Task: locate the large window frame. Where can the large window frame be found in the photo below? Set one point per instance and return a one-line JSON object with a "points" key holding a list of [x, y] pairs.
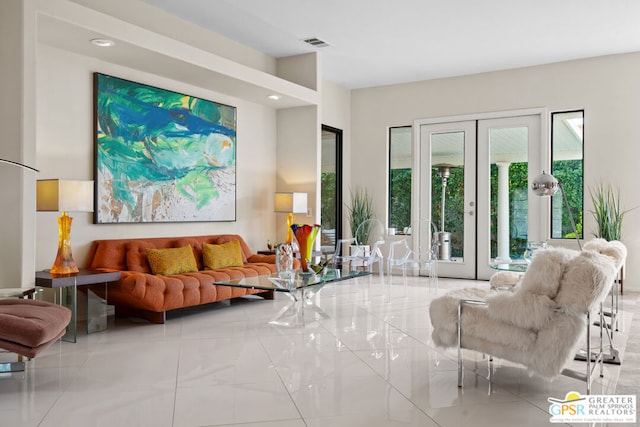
{"points": [[337, 197], [567, 166], [399, 186]]}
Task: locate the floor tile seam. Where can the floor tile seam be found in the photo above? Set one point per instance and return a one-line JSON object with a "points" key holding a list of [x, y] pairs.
{"points": [[389, 384], [176, 381], [281, 378], [53, 405], [496, 403]]}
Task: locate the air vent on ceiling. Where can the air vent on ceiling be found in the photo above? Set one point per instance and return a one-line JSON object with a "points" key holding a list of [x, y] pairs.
{"points": [[316, 42]]}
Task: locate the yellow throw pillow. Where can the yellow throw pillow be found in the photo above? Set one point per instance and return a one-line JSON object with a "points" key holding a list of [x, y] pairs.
{"points": [[172, 260], [221, 256]]}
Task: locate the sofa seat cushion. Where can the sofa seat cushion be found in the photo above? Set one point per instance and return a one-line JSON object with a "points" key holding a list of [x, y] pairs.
{"points": [[161, 293]]}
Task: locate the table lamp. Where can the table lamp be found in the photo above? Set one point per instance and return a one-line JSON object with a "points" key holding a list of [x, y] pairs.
{"points": [[547, 185], [61, 195], [290, 203]]}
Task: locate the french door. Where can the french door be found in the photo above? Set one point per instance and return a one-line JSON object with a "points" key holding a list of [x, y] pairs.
{"points": [[473, 190]]}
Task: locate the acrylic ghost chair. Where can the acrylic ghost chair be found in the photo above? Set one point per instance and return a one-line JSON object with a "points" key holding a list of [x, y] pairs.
{"points": [[429, 256], [361, 251], [402, 256], [367, 248]]}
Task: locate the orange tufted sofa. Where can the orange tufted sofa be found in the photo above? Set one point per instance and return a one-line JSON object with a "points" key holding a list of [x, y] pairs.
{"points": [[139, 293]]}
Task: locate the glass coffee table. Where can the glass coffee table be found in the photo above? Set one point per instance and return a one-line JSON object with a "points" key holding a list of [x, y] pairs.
{"points": [[300, 288], [517, 266]]}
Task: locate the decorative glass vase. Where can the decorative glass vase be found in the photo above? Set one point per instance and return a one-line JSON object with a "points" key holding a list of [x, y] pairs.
{"points": [[284, 260], [305, 235]]}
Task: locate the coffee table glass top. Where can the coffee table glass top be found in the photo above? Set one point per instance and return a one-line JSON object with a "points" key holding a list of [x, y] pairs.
{"points": [[515, 266], [272, 282]]}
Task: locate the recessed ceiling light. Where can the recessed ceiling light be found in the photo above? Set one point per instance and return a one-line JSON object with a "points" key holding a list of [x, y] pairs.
{"points": [[102, 42], [273, 97]]}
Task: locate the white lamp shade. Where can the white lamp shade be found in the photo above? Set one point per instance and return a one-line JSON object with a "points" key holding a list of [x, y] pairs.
{"points": [[64, 195], [291, 202]]}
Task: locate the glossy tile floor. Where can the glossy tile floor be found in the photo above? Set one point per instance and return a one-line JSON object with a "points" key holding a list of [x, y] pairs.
{"points": [[370, 363]]}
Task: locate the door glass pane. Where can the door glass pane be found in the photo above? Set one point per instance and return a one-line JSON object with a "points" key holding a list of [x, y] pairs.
{"points": [[330, 193], [566, 166], [508, 157], [447, 192], [400, 164]]}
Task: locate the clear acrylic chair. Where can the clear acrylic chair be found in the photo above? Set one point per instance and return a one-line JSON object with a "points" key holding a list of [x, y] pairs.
{"points": [[339, 256], [429, 257], [401, 256], [369, 233]]}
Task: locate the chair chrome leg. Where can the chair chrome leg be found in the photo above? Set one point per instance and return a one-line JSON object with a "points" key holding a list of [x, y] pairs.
{"points": [[602, 326], [588, 352], [460, 368]]}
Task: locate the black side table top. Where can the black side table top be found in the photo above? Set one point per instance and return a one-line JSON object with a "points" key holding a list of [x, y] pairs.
{"points": [[84, 277]]}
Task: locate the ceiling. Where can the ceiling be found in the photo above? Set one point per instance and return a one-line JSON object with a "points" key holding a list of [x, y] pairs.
{"points": [[376, 42]]}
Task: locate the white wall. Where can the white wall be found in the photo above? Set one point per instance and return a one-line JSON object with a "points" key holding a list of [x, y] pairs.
{"points": [[606, 88], [336, 112], [65, 148], [17, 108], [298, 162]]}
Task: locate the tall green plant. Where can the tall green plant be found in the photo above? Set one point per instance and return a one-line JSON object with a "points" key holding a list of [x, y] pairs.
{"points": [[360, 210], [607, 212]]}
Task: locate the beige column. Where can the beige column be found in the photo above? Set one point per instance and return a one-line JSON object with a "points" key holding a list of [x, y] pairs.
{"points": [[503, 212], [18, 123]]}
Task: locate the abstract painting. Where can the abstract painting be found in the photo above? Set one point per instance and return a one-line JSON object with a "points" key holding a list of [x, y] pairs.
{"points": [[161, 156]]}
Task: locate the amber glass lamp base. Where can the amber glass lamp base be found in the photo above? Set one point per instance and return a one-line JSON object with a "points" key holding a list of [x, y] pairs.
{"points": [[289, 231], [64, 263]]}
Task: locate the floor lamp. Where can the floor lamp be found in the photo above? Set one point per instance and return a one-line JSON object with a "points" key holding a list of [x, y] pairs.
{"points": [[11, 162], [547, 185]]}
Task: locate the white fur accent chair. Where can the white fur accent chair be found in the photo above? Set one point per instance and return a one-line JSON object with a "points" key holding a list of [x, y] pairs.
{"points": [[542, 323]]}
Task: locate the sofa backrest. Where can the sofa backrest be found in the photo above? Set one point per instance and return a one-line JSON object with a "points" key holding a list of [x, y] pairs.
{"points": [[131, 254]]}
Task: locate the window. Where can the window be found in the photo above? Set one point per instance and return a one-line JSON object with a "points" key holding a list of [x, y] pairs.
{"points": [[331, 187], [400, 164], [567, 147]]}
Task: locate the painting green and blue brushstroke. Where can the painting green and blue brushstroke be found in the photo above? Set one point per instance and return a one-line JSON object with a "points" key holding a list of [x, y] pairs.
{"points": [[162, 155]]}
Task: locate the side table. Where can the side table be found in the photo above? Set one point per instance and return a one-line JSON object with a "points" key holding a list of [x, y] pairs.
{"points": [[67, 286]]}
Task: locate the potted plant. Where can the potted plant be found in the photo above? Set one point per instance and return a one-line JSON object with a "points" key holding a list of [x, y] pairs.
{"points": [[607, 212], [359, 211]]}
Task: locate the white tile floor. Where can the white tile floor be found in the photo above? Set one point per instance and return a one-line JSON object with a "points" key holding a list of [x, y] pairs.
{"points": [[371, 363]]}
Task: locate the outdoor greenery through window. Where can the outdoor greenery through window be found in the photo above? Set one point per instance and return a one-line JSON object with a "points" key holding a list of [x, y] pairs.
{"points": [[400, 164], [567, 147]]}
